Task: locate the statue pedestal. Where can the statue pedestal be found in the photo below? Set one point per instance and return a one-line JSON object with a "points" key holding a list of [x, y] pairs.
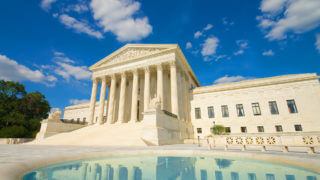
{"points": [[159, 128]]}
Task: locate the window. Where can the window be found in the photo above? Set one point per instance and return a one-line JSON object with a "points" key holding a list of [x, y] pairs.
{"points": [[273, 107], [260, 128], [198, 113], [78, 120], [240, 110], [243, 129], [228, 129], [84, 119], [210, 112], [224, 110], [292, 106], [278, 128], [298, 127], [199, 130], [256, 109]]}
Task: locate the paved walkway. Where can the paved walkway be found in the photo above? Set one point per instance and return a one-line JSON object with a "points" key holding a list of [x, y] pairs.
{"points": [[16, 160]]}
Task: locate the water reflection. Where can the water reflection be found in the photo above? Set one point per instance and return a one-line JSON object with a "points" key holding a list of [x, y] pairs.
{"points": [[169, 168]]}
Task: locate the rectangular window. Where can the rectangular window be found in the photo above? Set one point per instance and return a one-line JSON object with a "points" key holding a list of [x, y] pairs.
{"points": [[84, 119], [199, 130], [78, 120], [243, 129], [240, 110], [260, 128], [278, 128], [298, 127], [225, 111], [292, 106], [198, 113], [273, 107], [228, 129], [210, 112], [256, 109]]}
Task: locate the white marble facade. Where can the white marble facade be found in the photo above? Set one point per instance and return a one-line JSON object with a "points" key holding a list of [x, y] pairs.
{"points": [[137, 73]]}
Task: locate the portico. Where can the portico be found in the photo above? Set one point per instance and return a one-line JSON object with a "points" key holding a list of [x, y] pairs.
{"points": [[136, 74]]}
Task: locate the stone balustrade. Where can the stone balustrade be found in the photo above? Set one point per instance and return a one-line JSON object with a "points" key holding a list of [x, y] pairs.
{"points": [[286, 141]]}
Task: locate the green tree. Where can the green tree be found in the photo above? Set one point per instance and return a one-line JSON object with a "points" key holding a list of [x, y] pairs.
{"points": [[218, 130], [20, 112]]}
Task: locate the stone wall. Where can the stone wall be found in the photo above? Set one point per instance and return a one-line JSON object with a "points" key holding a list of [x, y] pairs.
{"points": [[304, 89], [15, 140]]}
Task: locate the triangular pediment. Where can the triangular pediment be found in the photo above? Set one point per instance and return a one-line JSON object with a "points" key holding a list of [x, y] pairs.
{"points": [[131, 52]]}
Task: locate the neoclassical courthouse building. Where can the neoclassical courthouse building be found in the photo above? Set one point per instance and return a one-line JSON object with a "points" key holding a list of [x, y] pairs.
{"points": [[153, 85]]}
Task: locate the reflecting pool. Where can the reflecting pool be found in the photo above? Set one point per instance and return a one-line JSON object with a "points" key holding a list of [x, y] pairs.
{"points": [[149, 167]]}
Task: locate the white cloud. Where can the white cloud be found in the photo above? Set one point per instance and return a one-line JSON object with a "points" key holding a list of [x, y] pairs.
{"points": [[317, 44], [210, 46], [46, 4], [239, 52], [268, 53], [78, 101], [116, 16], [272, 5], [201, 33], [79, 8], [242, 44], [78, 72], [78, 26], [13, 71], [226, 22], [208, 27], [56, 53], [197, 34], [229, 79], [283, 16], [188, 45]]}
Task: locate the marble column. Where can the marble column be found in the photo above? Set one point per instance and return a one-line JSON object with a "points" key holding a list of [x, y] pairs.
{"points": [[104, 173], [160, 84], [134, 105], [183, 97], [122, 98], [146, 88], [174, 89], [186, 86], [130, 173], [116, 170], [111, 99], [83, 170], [93, 172], [93, 101], [102, 99]]}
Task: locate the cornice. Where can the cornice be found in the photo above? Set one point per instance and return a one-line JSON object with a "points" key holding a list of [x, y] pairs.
{"points": [[80, 106], [256, 83]]}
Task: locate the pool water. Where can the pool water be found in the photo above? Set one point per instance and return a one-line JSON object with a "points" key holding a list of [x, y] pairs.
{"points": [[152, 167]]}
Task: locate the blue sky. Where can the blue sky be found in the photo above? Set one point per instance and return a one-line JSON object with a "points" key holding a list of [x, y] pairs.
{"points": [[48, 45]]}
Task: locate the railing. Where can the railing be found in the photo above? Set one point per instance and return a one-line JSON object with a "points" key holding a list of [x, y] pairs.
{"points": [[309, 142], [72, 121]]}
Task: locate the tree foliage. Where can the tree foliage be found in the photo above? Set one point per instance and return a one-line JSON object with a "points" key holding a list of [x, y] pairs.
{"points": [[218, 130], [20, 112]]}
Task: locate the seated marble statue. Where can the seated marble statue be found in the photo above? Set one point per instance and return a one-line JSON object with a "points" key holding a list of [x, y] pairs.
{"points": [[55, 114], [155, 103]]}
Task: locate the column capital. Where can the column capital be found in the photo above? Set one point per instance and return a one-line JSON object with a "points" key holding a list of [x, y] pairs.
{"points": [[134, 71], [113, 76], [173, 63], [123, 74], [103, 78], [147, 69], [95, 80], [159, 66]]}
